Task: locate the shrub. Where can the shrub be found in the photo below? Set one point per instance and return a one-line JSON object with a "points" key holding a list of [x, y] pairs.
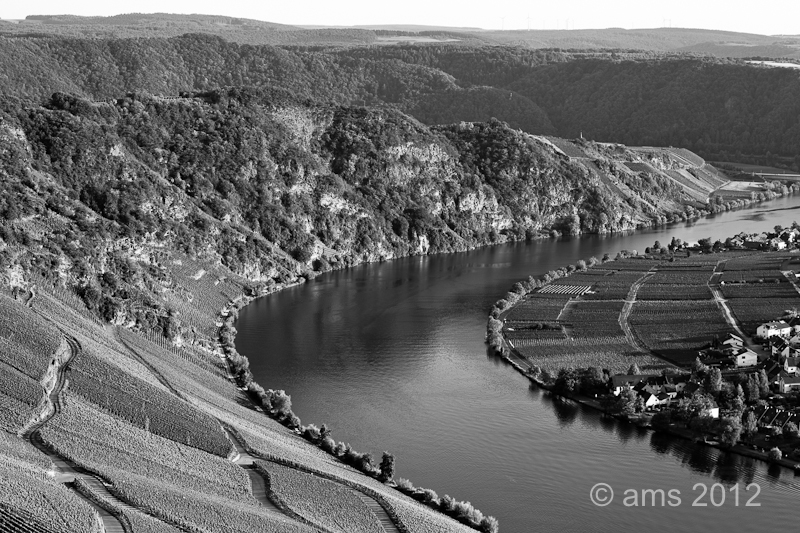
{"points": [[404, 485], [312, 433], [430, 497], [329, 445], [489, 524], [775, 454], [447, 504]]}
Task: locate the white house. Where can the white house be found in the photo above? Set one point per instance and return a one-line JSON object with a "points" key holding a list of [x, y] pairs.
{"points": [[733, 341], [788, 383], [770, 329], [745, 358], [790, 364]]}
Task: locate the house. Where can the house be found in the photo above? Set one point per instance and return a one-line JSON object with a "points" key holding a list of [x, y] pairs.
{"points": [[790, 365], [753, 245], [781, 419], [745, 358], [771, 329], [794, 322], [777, 244], [653, 400], [690, 388], [759, 411], [620, 382], [787, 383], [773, 370], [733, 341], [779, 347], [768, 416]]}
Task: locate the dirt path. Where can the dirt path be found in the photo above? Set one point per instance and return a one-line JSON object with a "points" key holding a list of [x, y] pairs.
{"points": [[53, 382], [625, 313], [789, 275]]}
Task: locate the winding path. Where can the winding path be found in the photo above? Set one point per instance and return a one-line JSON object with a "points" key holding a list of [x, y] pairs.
{"points": [[625, 314], [53, 382]]}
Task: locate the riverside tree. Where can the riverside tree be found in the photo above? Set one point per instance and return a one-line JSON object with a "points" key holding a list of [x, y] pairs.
{"points": [[386, 467]]}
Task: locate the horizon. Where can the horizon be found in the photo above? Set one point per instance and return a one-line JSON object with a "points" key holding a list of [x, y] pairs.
{"points": [[508, 15]]}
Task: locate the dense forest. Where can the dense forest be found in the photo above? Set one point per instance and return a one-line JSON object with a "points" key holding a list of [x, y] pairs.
{"points": [[723, 109]]}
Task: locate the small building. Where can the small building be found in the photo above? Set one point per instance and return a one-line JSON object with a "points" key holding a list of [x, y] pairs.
{"points": [[787, 383], [623, 381], [794, 322], [790, 365], [771, 329], [777, 244], [733, 341], [779, 347], [745, 358]]}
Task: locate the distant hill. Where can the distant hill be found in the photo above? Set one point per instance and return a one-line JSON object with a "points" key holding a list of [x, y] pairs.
{"points": [[249, 31]]}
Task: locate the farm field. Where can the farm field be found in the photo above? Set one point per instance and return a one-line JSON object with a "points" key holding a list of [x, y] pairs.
{"points": [[178, 483], [673, 315], [27, 341], [678, 329], [27, 488], [752, 312], [320, 501]]}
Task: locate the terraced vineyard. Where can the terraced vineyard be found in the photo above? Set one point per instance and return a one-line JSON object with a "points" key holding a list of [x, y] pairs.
{"points": [[26, 341], [321, 501]]}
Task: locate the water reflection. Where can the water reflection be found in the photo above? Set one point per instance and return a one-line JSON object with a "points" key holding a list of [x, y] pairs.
{"points": [[391, 356]]}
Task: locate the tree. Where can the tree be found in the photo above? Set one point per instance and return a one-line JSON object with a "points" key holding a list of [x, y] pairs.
{"points": [[737, 402], [634, 370], [775, 454], [698, 367], [752, 389], [790, 430], [713, 381], [731, 430], [626, 402], [763, 383], [386, 467], [581, 264], [750, 426]]}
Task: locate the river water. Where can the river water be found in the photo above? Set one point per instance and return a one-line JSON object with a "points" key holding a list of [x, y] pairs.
{"points": [[391, 357]]}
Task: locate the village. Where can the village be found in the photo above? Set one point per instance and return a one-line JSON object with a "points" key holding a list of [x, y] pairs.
{"points": [[732, 394]]}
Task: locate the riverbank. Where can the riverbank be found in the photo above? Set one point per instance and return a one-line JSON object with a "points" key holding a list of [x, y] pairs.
{"points": [[520, 364]]}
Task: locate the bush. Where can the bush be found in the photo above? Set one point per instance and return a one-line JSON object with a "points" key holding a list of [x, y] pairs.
{"points": [[405, 485], [329, 445], [775, 454], [489, 524], [447, 504], [430, 497]]}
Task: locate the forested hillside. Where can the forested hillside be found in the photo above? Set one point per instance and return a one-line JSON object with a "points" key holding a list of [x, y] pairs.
{"points": [[722, 109], [273, 187]]}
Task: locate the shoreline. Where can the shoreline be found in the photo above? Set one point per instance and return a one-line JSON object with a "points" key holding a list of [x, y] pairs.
{"points": [[673, 431]]}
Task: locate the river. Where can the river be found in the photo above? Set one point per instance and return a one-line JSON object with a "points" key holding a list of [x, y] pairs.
{"points": [[391, 356]]}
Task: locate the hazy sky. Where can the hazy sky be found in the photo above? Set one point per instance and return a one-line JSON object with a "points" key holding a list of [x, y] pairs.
{"points": [[765, 16]]}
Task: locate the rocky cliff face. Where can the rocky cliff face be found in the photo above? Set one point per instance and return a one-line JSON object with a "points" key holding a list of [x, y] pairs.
{"points": [[272, 188]]}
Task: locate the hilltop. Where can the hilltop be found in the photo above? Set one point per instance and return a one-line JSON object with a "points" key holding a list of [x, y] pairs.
{"points": [[724, 110]]}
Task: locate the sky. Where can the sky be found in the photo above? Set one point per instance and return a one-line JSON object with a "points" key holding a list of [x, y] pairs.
{"points": [[769, 17]]}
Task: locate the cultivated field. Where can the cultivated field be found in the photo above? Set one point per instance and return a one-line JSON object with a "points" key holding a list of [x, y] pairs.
{"points": [[672, 311]]}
